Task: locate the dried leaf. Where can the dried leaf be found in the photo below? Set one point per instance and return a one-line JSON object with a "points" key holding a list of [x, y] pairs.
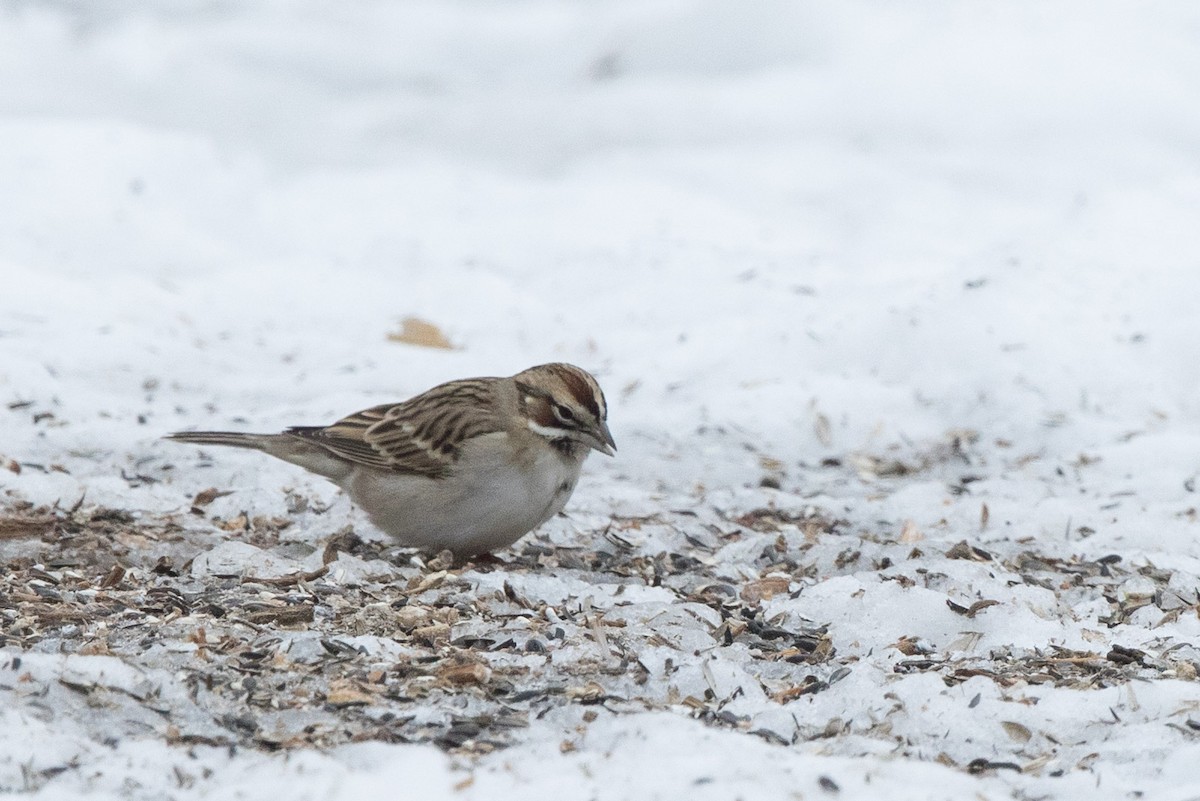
{"points": [[589, 693], [436, 634], [429, 582], [413, 617], [94, 648], [415, 331], [909, 532], [18, 527], [113, 578], [770, 463], [239, 523], [823, 429], [343, 692], [979, 606], [289, 579], [283, 615], [205, 497], [1016, 731], [463, 675], [964, 550], [765, 588], [910, 646]]}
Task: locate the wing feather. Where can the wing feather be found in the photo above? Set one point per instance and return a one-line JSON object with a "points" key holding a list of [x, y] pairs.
{"points": [[420, 436]]}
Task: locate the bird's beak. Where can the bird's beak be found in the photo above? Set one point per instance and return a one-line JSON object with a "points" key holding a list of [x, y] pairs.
{"points": [[602, 440]]}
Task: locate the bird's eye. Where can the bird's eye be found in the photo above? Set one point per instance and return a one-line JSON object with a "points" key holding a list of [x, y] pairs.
{"points": [[563, 413]]}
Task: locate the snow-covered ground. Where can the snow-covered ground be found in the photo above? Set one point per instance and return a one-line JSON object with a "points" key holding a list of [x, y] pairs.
{"points": [[895, 306]]}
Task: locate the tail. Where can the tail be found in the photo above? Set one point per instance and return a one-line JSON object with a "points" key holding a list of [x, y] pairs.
{"points": [[285, 446], [233, 439]]}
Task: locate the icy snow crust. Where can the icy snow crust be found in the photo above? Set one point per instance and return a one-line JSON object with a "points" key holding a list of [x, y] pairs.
{"points": [[895, 309]]}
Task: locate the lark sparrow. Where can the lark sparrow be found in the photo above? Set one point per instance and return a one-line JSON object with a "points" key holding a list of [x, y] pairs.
{"points": [[468, 466]]}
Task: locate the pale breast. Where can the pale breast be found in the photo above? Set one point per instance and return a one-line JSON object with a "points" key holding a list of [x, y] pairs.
{"points": [[487, 503]]}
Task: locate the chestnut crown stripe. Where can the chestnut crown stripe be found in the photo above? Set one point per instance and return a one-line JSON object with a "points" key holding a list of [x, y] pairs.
{"points": [[586, 393]]}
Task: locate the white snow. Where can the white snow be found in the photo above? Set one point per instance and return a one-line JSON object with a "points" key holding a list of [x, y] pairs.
{"points": [[778, 232]]}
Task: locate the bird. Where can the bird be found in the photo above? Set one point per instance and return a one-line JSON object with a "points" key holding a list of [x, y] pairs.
{"points": [[469, 466]]}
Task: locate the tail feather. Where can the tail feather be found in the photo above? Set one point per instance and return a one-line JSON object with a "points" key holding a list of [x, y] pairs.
{"points": [[232, 439], [286, 446]]}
